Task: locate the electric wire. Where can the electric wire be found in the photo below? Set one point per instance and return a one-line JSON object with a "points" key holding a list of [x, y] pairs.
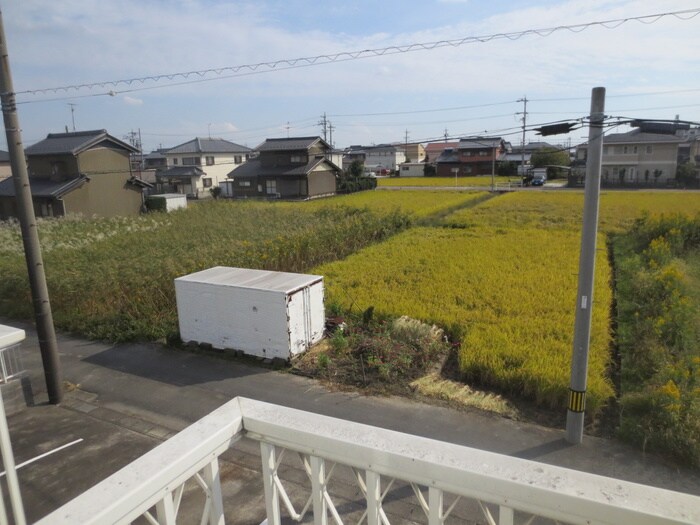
{"points": [[277, 65]]}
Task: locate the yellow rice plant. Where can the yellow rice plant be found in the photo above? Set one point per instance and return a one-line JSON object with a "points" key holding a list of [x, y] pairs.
{"points": [[511, 293], [564, 209], [484, 181]]}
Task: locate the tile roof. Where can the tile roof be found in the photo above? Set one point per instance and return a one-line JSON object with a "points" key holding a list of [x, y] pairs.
{"points": [[292, 143], [75, 143], [253, 168], [44, 187], [480, 143], [448, 155], [435, 148], [207, 145], [637, 136]]}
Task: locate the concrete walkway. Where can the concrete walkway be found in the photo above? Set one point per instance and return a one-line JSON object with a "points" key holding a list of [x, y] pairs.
{"points": [[130, 397]]}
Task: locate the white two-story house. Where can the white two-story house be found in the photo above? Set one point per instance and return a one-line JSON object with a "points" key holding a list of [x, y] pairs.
{"points": [[196, 166]]}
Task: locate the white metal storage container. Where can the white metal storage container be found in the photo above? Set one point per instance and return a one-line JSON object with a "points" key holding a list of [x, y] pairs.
{"points": [[263, 313], [10, 358]]}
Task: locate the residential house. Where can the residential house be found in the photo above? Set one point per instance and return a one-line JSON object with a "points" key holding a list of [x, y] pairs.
{"points": [[196, 166], [636, 158], [435, 149], [291, 168], [473, 156], [85, 172], [384, 157], [414, 152], [352, 154], [5, 170], [520, 155]]}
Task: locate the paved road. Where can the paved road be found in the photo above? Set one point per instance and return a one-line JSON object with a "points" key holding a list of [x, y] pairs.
{"points": [[173, 388], [131, 397]]}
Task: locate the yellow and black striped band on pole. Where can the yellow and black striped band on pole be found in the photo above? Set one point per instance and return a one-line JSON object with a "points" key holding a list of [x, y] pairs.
{"points": [[577, 400]]}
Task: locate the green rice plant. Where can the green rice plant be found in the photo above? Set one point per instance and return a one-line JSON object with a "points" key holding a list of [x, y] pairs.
{"points": [[119, 284], [417, 203]]}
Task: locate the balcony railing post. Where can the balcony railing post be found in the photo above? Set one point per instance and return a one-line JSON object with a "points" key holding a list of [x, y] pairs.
{"points": [[318, 487], [269, 467], [165, 510], [435, 497], [374, 495], [216, 503], [506, 516]]}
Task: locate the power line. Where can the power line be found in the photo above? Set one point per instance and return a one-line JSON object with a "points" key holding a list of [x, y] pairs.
{"points": [[687, 14]]}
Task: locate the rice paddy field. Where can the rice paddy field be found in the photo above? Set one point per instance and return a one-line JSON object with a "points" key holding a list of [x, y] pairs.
{"points": [[503, 275], [498, 272], [483, 181]]}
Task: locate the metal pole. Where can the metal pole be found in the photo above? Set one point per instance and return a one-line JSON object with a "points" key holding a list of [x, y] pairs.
{"points": [[30, 236], [493, 170], [584, 298], [8, 460]]}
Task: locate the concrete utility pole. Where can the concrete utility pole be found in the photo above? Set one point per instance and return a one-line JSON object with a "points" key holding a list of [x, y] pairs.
{"points": [[324, 125], [30, 236], [72, 113], [522, 144], [331, 127], [586, 271]]}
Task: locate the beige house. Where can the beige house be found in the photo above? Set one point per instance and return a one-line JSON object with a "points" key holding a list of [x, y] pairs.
{"points": [[196, 166], [637, 157], [86, 172], [414, 153]]}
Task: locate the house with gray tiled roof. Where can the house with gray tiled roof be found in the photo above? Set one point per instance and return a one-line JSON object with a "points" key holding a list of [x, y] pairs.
{"points": [[291, 168], [198, 165], [637, 157], [84, 172]]}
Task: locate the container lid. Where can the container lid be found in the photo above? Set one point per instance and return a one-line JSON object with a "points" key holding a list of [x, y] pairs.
{"points": [[253, 279], [10, 335]]}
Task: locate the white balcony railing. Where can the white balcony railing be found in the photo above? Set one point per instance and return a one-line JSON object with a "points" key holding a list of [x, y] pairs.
{"points": [[446, 480]]}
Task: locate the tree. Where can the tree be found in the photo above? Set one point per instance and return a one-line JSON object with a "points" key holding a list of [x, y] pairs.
{"points": [[549, 157], [687, 174], [356, 169]]}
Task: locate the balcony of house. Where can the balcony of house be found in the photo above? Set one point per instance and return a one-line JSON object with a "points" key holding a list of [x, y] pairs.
{"points": [[320, 469]]}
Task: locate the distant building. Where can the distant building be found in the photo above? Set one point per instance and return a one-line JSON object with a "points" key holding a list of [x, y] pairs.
{"points": [[414, 152], [384, 156], [636, 157], [435, 149], [196, 166], [86, 172], [473, 156], [291, 168], [5, 170]]}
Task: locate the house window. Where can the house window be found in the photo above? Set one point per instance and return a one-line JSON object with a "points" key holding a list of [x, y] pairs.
{"points": [[191, 161], [245, 183], [649, 149], [206, 182], [210, 161], [625, 150], [237, 159], [634, 149], [271, 187], [605, 150], [298, 158], [58, 170], [483, 153], [175, 161]]}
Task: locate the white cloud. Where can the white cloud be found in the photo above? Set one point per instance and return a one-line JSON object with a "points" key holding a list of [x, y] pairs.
{"points": [[228, 127], [132, 101]]}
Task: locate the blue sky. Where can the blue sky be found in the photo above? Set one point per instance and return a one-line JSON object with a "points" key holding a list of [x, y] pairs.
{"points": [[650, 71]]}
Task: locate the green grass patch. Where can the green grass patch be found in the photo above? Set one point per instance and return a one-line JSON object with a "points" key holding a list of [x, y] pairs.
{"points": [[113, 279], [658, 299]]}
